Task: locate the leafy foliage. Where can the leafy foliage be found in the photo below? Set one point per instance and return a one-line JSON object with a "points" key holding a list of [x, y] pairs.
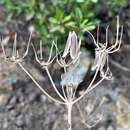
{"points": [[55, 18]]}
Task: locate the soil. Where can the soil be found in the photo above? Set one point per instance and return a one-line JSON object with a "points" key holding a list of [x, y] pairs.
{"points": [[24, 107]]}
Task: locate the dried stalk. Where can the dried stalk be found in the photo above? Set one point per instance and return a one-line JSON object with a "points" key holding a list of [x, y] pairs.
{"points": [[72, 49]]}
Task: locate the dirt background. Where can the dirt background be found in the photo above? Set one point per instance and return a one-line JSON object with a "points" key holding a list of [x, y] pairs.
{"points": [[24, 107]]}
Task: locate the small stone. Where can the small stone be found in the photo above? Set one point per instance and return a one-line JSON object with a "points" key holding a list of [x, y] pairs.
{"points": [[5, 125], [13, 100], [32, 97], [3, 99], [110, 128], [101, 128], [19, 128], [9, 107], [19, 123], [14, 113], [43, 98]]}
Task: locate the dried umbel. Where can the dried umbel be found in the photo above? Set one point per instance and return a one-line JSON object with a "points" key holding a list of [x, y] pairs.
{"points": [[72, 49], [69, 82], [15, 57], [103, 50]]}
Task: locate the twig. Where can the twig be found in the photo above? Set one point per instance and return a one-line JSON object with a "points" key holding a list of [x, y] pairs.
{"points": [[117, 64]]}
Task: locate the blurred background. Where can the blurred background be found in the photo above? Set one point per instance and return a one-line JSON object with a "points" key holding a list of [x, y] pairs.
{"points": [[22, 105]]}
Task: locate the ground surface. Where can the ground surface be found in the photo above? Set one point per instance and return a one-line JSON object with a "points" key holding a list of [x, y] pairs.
{"points": [[24, 107]]}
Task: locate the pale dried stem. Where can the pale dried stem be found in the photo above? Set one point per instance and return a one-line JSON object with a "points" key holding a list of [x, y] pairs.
{"points": [[83, 118], [14, 46], [53, 84], [3, 49], [117, 47], [88, 89], [69, 107], [28, 44], [68, 97], [38, 85], [115, 63], [63, 90], [41, 56], [117, 35]]}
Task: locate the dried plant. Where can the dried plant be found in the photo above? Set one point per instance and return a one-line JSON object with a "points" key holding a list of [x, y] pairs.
{"points": [[69, 82], [102, 51]]}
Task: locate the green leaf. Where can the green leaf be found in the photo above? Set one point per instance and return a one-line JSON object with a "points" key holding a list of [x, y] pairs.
{"points": [[78, 15], [84, 23], [53, 20], [129, 33], [59, 14], [90, 26], [42, 6], [66, 18], [29, 15], [94, 1], [70, 24], [80, 1], [57, 28]]}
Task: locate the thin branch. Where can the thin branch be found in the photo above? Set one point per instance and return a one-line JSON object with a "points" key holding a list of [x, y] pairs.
{"points": [[90, 85], [117, 36], [83, 118], [41, 56], [38, 85], [3, 41], [53, 84], [29, 41], [119, 65], [119, 44], [97, 35], [107, 36], [69, 107], [14, 46], [63, 90], [96, 44]]}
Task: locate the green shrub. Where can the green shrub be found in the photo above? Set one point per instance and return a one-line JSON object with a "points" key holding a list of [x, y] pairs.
{"points": [[55, 18]]}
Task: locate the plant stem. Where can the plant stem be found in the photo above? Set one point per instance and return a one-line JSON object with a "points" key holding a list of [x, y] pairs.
{"points": [[69, 107], [53, 84], [38, 85]]}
